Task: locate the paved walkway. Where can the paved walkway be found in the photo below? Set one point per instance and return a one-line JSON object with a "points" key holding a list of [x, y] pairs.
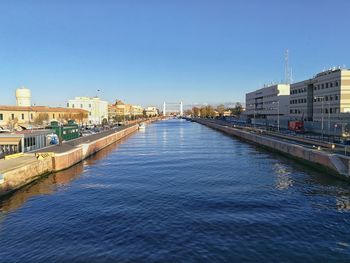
{"points": [[6, 165], [69, 145]]}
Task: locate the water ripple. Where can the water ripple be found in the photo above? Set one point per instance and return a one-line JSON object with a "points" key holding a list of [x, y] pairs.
{"points": [[179, 192]]}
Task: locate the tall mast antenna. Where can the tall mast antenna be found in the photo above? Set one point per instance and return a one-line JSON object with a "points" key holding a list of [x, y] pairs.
{"points": [[286, 68]]}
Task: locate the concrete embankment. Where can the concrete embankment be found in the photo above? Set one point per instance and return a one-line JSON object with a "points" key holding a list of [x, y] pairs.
{"points": [[16, 173], [334, 164]]}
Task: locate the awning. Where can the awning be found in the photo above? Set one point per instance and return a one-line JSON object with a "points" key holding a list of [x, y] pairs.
{"points": [[10, 141]]}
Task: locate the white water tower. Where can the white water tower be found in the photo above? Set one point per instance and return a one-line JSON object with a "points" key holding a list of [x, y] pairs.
{"points": [[23, 97]]}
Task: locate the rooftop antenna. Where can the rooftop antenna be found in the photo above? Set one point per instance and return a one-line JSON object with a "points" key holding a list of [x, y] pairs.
{"points": [[286, 67]]}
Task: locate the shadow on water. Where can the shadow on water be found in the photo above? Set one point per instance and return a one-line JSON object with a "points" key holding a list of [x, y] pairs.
{"points": [[49, 184], [290, 172]]}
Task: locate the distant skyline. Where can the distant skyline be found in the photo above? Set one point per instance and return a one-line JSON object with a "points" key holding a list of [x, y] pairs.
{"points": [[145, 52]]}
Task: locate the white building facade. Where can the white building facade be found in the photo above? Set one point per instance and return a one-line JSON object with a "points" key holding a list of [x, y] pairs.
{"points": [[151, 111], [97, 108], [268, 102]]}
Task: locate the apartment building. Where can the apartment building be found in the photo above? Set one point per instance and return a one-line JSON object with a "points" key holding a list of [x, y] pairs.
{"points": [[268, 102], [152, 111], [121, 111], [97, 108], [136, 111]]}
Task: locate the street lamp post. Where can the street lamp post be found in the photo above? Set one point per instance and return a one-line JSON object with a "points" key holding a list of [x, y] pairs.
{"points": [[329, 118], [254, 112], [278, 114], [322, 99]]}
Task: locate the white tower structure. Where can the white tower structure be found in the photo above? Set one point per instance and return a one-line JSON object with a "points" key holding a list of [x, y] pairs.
{"points": [[164, 109], [23, 97]]}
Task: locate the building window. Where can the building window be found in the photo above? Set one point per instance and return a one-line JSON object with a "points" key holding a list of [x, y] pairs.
{"points": [[31, 116], [81, 106], [89, 105], [1, 117], [326, 110], [67, 104], [53, 115], [336, 97], [22, 116], [327, 85], [73, 106], [331, 84], [336, 83], [12, 116], [330, 110]]}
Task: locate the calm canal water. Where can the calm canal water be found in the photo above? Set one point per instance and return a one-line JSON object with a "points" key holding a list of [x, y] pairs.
{"points": [[179, 192]]}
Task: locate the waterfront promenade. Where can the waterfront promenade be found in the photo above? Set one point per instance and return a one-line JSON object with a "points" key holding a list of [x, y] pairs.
{"points": [[15, 173]]}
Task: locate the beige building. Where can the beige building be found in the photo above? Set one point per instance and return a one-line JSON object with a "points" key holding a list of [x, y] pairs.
{"points": [[121, 111], [11, 116], [112, 112], [136, 111], [227, 113], [151, 111], [267, 102], [327, 96]]}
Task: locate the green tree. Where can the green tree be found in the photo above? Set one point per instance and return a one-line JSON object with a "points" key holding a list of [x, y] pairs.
{"points": [[238, 109], [195, 112], [203, 112], [41, 118], [220, 109]]}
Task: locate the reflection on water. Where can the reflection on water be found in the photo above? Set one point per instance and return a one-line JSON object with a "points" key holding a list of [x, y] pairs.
{"points": [[44, 186], [49, 184], [283, 179], [179, 192], [343, 202]]}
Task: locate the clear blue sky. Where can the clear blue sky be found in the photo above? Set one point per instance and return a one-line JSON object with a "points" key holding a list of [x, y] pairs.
{"points": [[148, 51]]}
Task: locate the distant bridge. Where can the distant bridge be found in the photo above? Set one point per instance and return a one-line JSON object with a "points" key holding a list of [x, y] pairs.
{"points": [[172, 104]]}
